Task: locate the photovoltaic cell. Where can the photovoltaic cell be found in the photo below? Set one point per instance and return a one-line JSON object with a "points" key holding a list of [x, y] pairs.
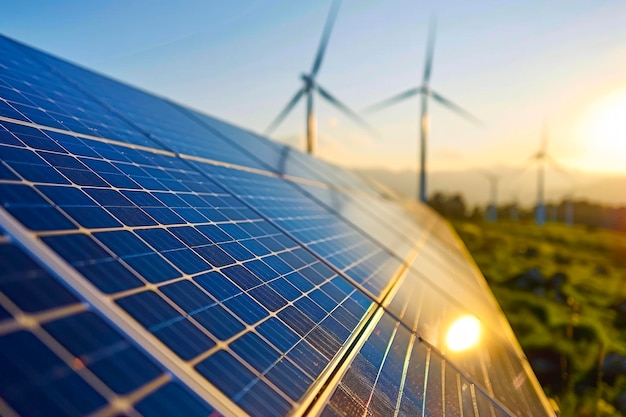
{"points": [[128, 249], [360, 258], [31, 93], [255, 275], [58, 356], [393, 371]]}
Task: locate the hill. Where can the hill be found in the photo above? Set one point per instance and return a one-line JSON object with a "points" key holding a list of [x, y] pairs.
{"points": [[515, 185]]}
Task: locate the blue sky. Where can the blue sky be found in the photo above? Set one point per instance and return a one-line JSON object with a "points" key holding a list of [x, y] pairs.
{"points": [[513, 64]]}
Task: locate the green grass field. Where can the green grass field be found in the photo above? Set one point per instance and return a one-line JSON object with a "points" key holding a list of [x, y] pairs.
{"points": [[563, 290]]}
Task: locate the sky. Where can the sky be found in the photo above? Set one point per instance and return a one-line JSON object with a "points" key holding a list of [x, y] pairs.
{"points": [[516, 65]]}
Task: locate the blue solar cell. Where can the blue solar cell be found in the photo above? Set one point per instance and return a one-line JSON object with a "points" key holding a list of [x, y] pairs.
{"points": [[27, 285], [226, 373], [308, 358], [262, 270], [235, 380], [173, 400], [36, 382], [79, 206], [108, 198], [255, 351], [101, 349], [217, 285], [93, 262], [190, 236], [246, 308], [291, 380], [138, 255], [285, 289], [227, 271], [66, 377], [6, 136], [242, 277], [31, 209], [281, 336], [268, 298], [263, 400], [45, 98], [170, 326], [215, 256], [297, 320], [237, 251], [214, 233], [188, 296]]}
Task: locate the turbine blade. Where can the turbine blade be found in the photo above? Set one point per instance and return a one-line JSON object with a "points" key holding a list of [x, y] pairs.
{"points": [[285, 112], [393, 100], [430, 51], [346, 110], [328, 28], [557, 166], [455, 108], [520, 170]]}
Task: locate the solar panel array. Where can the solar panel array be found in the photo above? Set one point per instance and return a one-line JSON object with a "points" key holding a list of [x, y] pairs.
{"points": [[157, 261]]}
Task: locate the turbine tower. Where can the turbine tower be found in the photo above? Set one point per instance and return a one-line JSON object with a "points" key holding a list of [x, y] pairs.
{"points": [[492, 207], [541, 156], [310, 85], [426, 92]]}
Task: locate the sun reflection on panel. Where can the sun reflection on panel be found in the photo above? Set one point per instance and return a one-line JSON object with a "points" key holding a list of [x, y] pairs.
{"points": [[463, 334]]}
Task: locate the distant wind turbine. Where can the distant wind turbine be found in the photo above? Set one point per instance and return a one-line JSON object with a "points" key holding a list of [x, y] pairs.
{"points": [[542, 157], [492, 207], [310, 85], [425, 91]]}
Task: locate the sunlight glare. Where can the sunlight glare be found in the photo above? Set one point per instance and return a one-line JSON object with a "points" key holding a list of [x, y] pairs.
{"points": [[605, 127], [463, 334]]}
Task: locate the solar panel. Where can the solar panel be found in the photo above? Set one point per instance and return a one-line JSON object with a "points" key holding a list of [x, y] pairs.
{"points": [[61, 356], [236, 275]]}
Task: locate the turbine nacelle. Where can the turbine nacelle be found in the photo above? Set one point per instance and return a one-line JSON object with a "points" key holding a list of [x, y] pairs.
{"points": [[310, 85], [308, 81], [424, 90]]}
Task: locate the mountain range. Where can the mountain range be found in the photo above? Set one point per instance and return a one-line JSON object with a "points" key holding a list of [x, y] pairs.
{"points": [[513, 185]]}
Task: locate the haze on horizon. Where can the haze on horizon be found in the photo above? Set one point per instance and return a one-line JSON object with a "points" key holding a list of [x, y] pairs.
{"points": [[512, 64]]}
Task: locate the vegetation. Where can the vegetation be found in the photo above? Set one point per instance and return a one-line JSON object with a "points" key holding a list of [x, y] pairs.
{"points": [[563, 290]]}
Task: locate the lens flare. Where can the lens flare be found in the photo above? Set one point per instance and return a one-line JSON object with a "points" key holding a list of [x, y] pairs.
{"points": [[463, 334]]}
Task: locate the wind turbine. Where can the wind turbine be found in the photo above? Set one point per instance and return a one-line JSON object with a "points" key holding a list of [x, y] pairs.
{"points": [[311, 85], [426, 92], [492, 208], [542, 157]]}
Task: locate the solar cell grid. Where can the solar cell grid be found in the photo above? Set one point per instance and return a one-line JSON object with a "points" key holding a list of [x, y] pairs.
{"points": [[354, 209], [363, 260], [394, 372], [490, 363], [157, 121], [440, 267], [32, 93], [253, 283], [127, 250], [60, 357], [282, 159]]}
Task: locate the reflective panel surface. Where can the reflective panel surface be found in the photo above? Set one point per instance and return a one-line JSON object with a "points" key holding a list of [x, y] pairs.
{"points": [[157, 261]]}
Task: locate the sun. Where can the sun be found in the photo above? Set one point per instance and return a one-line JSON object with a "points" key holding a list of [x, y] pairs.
{"points": [[610, 125], [604, 129]]}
